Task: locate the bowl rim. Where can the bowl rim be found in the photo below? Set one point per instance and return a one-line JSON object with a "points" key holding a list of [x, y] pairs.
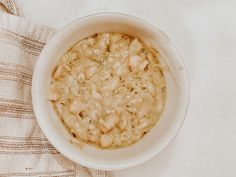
{"points": [[82, 161]]}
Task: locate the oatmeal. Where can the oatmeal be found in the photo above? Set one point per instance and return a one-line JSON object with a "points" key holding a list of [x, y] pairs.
{"points": [[109, 90]]}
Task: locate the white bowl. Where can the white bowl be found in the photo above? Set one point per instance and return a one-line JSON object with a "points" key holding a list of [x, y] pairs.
{"points": [[160, 135]]}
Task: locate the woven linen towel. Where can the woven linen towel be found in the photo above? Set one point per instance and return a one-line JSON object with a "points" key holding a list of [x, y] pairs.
{"points": [[24, 150]]}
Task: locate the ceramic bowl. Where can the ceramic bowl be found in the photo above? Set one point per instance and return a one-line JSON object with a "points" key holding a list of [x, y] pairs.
{"points": [[157, 139]]}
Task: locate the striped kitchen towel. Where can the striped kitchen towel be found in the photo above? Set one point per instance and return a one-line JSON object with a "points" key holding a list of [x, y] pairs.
{"points": [[24, 150]]}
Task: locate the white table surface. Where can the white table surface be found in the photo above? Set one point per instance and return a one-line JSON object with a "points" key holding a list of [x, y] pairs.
{"points": [[204, 32]]}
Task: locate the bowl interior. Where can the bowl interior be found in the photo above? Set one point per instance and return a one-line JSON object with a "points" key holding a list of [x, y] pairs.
{"points": [[155, 140]]}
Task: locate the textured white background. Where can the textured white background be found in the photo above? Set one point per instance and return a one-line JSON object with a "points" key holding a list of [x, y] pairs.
{"points": [[204, 31]]}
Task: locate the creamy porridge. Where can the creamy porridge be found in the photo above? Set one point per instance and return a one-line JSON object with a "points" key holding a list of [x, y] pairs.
{"points": [[109, 90]]}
